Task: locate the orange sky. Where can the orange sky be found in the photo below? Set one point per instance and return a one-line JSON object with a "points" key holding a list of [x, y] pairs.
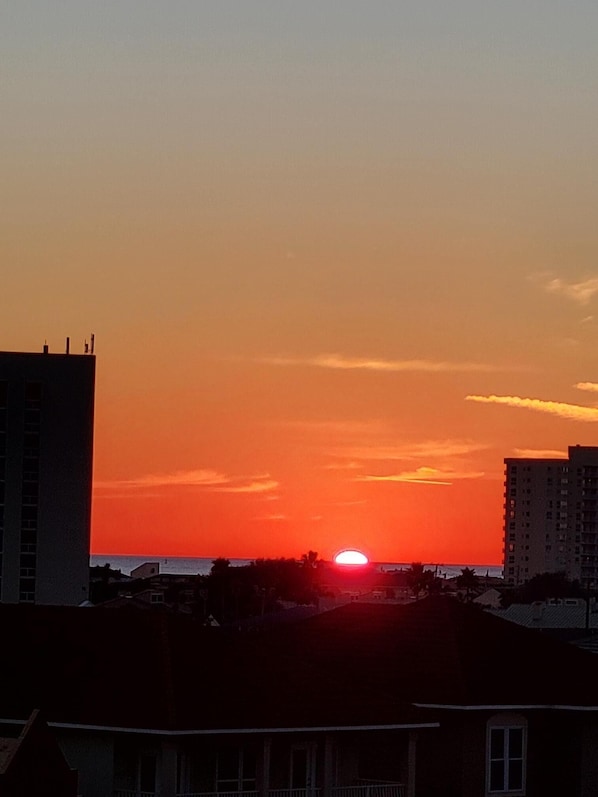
{"points": [[313, 241]]}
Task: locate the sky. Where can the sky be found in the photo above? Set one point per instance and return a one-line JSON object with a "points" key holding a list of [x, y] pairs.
{"points": [[339, 258]]}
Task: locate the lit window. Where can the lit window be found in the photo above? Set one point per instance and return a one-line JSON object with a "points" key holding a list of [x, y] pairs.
{"points": [[506, 756]]}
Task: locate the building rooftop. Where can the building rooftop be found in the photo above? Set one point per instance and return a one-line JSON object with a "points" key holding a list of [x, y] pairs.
{"points": [[353, 666], [567, 613]]}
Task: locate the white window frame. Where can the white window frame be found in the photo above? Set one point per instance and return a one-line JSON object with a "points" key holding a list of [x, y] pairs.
{"points": [[507, 723]]}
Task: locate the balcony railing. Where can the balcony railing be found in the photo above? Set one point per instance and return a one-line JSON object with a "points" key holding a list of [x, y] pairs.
{"points": [[363, 790], [370, 790], [218, 794], [133, 793]]}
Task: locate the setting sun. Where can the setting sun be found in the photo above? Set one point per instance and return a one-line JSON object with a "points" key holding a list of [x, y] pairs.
{"points": [[351, 557]]}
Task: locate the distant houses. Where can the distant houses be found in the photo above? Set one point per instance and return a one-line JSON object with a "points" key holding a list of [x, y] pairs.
{"points": [[434, 698]]}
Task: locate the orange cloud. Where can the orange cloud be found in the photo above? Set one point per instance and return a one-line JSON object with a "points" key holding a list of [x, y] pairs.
{"points": [[272, 517], [539, 453], [581, 292], [572, 412], [209, 479], [336, 427], [591, 387], [179, 478], [259, 486], [411, 451], [338, 362], [424, 475]]}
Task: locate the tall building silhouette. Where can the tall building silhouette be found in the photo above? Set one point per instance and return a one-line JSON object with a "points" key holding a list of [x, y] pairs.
{"points": [[551, 517], [46, 451]]}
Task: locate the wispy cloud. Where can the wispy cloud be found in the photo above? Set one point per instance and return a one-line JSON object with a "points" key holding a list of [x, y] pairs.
{"points": [[591, 387], [439, 449], [581, 292], [259, 486], [572, 412], [424, 475], [339, 362], [539, 453], [178, 478], [272, 517], [338, 428], [208, 479]]}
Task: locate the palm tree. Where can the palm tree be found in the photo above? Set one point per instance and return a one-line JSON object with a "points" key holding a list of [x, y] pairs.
{"points": [[310, 559], [469, 582], [418, 578]]}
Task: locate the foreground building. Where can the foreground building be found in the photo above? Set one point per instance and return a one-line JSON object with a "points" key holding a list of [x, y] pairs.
{"points": [[421, 700], [32, 763], [551, 517], [46, 447]]}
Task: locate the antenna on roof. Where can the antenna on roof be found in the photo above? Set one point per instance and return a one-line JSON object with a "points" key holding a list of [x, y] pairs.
{"points": [[46, 348], [86, 347], [68, 345], [93, 338]]}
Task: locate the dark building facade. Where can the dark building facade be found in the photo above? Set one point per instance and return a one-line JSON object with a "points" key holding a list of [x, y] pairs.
{"points": [[46, 453], [551, 517]]}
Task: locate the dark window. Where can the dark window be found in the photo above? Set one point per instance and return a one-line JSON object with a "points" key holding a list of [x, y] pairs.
{"points": [[236, 770], [28, 513], [33, 391], [506, 760], [147, 773]]}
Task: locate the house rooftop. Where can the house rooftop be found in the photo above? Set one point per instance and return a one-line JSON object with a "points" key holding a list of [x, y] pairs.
{"points": [[359, 665]]}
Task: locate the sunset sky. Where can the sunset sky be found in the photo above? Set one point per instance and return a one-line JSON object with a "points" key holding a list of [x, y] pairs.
{"points": [[340, 259]]}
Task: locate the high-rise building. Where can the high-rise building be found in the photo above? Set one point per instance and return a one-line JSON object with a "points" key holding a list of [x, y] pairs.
{"points": [[551, 517], [46, 451]]}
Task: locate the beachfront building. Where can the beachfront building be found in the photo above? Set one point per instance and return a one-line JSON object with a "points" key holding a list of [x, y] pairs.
{"points": [[46, 445], [551, 517]]}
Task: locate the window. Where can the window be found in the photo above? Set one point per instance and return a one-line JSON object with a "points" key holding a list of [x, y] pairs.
{"points": [[506, 755], [236, 770], [303, 767], [134, 771]]}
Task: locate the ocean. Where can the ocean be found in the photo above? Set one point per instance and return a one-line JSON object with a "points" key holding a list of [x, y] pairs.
{"points": [[192, 566]]}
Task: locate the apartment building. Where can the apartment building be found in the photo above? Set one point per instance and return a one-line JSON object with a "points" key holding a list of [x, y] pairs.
{"points": [[46, 448], [551, 518]]}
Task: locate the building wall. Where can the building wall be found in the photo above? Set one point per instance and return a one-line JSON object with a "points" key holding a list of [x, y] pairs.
{"points": [[92, 755], [551, 517], [46, 435], [583, 515]]}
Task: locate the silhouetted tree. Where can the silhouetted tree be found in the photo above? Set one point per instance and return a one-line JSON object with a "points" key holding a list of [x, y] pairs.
{"points": [[310, 559], [233, 593], [219, 565], [469, 582], [102, 583], [421, 580], [543, 586]]}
